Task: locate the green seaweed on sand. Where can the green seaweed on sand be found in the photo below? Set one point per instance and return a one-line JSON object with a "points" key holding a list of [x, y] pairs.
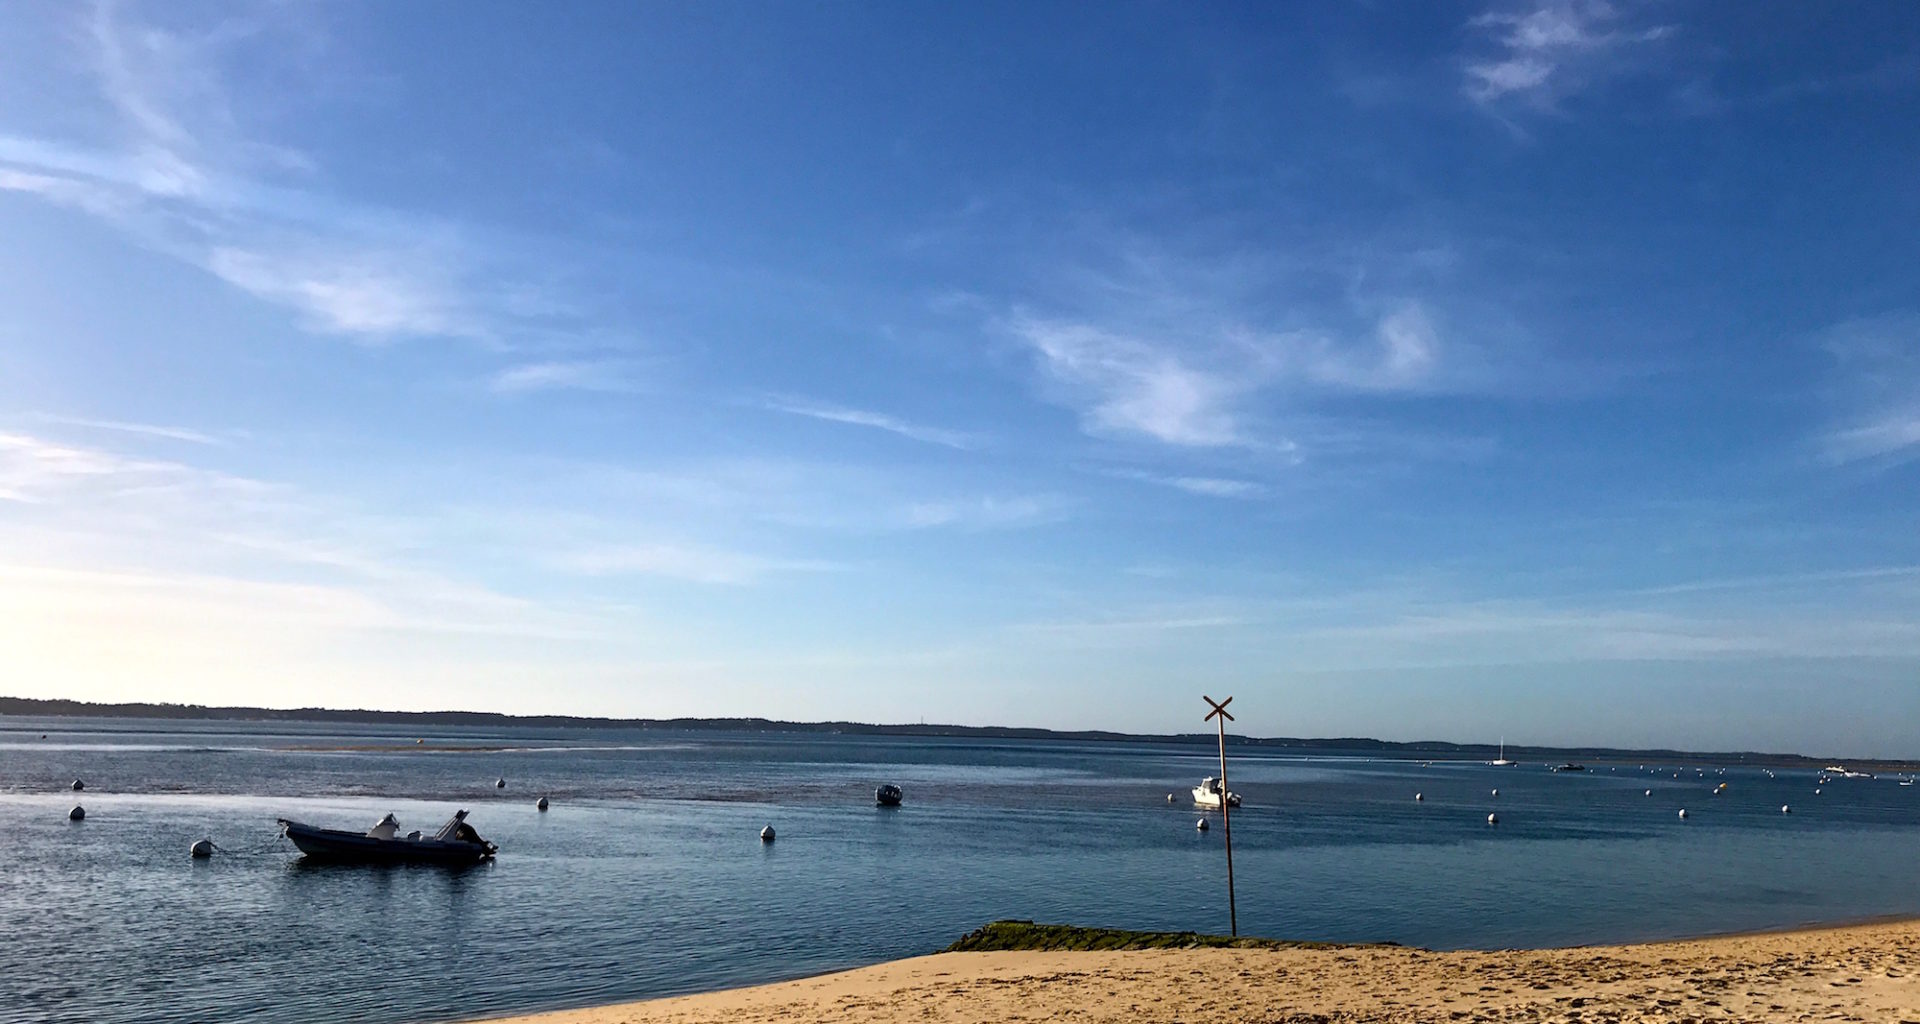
{"points": [[1027, 936]]}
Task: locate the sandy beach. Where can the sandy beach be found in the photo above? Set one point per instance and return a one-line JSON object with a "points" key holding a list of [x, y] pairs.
{"points": [[1856, 973]]}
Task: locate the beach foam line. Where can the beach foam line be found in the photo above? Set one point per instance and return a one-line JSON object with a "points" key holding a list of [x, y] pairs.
{"points": [[1851, 973]]}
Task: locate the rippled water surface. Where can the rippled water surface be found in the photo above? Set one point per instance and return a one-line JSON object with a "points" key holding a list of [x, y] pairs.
{"points": [[647, 877]]}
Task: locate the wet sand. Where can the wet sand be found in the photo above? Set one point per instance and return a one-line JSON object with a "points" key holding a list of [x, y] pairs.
{"points": [[1855, 973]]}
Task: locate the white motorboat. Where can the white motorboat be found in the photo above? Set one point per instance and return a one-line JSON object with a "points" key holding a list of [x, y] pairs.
{"points": [[1209, 793]]}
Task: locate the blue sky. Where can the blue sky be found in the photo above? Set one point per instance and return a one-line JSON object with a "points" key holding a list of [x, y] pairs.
{"points": [[1419, 371]]}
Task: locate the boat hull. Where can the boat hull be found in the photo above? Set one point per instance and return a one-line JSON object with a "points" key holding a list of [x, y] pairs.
{"points": [[335, 845]]}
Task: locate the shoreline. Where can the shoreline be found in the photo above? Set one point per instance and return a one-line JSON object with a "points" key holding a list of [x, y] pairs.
{"points": [[1858, 971]]}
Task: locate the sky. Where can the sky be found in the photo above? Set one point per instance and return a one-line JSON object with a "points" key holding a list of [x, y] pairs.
{"points": [[1546, 370]]}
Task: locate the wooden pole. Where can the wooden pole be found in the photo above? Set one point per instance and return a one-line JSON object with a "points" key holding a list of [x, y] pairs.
{"points": [[1226, 825], [1226, 810]]}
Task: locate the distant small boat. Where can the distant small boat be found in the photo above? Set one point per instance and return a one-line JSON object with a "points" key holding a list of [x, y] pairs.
{"points": [[1209, 793], [1569, 767], [1501, 761], [1834, 769], [1907, 781], [887, 795], [455, 843]]}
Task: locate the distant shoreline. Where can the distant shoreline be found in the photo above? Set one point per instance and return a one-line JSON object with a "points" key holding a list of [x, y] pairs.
{"points": [[1410, 750]]}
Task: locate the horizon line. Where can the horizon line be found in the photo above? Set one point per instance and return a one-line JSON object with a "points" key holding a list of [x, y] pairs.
{"points": [[204, 712]]}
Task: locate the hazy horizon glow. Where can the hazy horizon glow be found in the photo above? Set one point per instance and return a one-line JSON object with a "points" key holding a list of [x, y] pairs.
{"points": [[1540, 369]]}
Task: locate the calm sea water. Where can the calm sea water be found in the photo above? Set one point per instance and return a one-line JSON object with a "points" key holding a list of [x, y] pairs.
{"points": [[647, 876]]}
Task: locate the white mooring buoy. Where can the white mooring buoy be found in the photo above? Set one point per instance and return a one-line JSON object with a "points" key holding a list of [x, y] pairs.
{"points": [[540, 804], [1816, 792], [1493, 819], [1786, 809], [1649, 792], [201, 849], [766, 834], [1418, 797], [1169, 797], [78, 813], [1496, 792], [1683, 812], [1201, 824]]}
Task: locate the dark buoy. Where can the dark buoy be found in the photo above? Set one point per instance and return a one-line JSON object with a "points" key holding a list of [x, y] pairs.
{"points": [[78, 813], [1201, 824], [201, 849], [500, 783], [766, 834], [78, 785], [540, 804]]}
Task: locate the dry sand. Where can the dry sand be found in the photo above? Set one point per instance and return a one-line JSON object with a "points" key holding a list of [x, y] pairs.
{"points": [[1860, 973]]}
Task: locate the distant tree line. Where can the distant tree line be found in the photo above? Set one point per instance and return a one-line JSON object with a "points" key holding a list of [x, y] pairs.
{"points": [[1436, 749]]}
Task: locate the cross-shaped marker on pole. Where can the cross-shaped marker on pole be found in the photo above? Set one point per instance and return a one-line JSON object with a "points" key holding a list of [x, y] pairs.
{"points": [[1221, 715]]}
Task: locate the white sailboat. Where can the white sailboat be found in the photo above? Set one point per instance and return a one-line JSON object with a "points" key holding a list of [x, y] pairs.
{"points": [[1502, 762]]}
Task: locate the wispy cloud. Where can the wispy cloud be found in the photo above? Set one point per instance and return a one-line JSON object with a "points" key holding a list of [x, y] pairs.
{"points": [[174, 169], [751, 496], [1876, 389], [140, 429], [987, 513], [358, 291], [1404, 355], [1405, 623], [1199, 388], [1136, 629], [1130, 386], [129, 530], [1208, 486], [690, 563], [878, 421], [1548, 49], [612, 376], [37, 470]]}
